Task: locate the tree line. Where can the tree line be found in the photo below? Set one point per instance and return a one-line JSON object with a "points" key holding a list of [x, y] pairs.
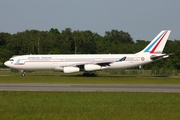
{"points": [[81, 42]]}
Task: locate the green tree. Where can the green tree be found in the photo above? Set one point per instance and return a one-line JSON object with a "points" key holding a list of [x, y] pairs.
{"points": [[118, 40]]}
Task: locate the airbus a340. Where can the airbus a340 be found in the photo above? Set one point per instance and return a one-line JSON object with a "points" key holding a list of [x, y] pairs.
{"points": [[91, 62]]}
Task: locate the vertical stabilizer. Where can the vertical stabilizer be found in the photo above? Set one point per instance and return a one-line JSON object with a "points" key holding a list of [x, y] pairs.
{"points": [[157, 45]]}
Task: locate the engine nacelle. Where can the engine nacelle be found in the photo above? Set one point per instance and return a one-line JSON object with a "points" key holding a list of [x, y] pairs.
{"points": [[91, 67], [70, 69]]}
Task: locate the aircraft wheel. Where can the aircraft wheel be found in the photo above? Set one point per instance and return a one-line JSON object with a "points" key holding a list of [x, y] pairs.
{"points": [[23, 74]]}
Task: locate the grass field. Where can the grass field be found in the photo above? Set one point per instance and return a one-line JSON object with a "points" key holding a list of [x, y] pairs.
{"points": [[77, 78], [89, 106]]}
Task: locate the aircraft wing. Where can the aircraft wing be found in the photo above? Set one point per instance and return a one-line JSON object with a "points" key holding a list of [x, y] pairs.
{"points": [[100, 63], [95, 63], [88, 66]]}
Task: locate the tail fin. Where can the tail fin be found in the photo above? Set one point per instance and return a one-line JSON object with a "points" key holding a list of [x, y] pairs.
{"points": [[157, 45]]}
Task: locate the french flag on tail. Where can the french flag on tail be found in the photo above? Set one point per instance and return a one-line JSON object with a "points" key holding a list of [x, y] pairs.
{"points": [[157, 45]]}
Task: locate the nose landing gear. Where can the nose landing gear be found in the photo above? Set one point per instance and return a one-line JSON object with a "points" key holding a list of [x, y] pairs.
{"points": [[23, 73]]}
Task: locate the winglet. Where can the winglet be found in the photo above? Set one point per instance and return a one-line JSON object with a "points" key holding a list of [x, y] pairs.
{"points": [[157, 45]]}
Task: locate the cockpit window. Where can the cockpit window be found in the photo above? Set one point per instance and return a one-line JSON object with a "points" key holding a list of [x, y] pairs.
{"points": [[11, 60]]}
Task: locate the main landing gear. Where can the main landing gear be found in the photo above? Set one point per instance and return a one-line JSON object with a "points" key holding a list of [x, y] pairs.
{"points": [[89, 74], [23, 73]]}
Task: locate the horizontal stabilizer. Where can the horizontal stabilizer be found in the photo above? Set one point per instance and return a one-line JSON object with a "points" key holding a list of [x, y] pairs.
{"points": [[155, 57]]}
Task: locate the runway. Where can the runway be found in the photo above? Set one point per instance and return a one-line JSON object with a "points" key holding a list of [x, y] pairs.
{"points": [[90, 87]]}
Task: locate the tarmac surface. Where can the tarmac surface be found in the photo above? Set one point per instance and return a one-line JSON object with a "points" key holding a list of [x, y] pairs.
{"points": [[90, 87]]}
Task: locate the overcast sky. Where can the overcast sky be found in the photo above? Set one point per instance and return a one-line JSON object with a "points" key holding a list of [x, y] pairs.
{"points": [[142, 19]]}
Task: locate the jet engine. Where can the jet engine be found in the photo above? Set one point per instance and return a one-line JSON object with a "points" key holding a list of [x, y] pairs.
{"points": [[70, 69], [91, 67]]}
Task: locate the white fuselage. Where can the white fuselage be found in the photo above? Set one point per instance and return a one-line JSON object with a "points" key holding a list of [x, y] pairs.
{"points": [[59, 62]]}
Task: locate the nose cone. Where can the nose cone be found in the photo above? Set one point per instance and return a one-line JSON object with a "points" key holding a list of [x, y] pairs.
{"points": [[7, 63]]}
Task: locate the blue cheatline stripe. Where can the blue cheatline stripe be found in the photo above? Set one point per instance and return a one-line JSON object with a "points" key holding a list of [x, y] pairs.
{"points": [[148, 49]]}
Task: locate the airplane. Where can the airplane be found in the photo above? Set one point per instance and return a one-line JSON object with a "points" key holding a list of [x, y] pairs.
{"points": [[70, 63]]}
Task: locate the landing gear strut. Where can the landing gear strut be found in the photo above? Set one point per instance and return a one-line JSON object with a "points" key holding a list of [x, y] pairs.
{"points": [[23, 73]]}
